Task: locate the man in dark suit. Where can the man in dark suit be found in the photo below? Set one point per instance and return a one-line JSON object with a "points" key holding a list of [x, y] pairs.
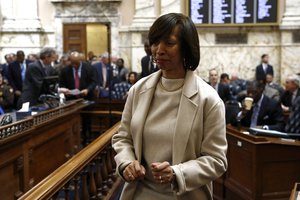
{"points": [[81, 77], [78, 75], [104, 76], [293, 123], [16, 74], [265, 113], [9, 58], [291, 92], [222, 89], [33, 85], [148, 66], [264, 68]]}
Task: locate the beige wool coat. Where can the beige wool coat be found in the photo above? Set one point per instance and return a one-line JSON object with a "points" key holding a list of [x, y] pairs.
{"points": [[199, 143]]}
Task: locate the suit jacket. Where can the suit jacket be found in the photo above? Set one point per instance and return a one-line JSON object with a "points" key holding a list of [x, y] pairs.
{"points": [[14, 74], [33, 83], [4, 70], [145, 66], [293, 125], [224, 92], [87, 79], [260, 73], [99, 75], [270, 114], [287, 96], [272, 93], [199, 144]]}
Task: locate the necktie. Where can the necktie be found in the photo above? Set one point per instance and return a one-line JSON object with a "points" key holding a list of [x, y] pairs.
{"points": [[77, 79], [254, 116], [23, 71], [104, 75]]}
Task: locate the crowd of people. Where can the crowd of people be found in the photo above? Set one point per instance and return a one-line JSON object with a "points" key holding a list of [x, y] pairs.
{"points": [[172, 137], [274, 107], [23, 78], [105, 77]]}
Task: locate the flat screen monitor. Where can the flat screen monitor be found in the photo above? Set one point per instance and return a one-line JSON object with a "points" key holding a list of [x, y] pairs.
{"points": [[234, 12], [50, 84]]}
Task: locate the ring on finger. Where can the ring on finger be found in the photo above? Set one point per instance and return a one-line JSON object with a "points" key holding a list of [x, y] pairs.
{"points": [[160, 178]]}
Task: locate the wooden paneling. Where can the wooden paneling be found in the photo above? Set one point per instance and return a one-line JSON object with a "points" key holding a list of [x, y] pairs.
{"points": [[28, 156], [74, 37], [259, 167]]}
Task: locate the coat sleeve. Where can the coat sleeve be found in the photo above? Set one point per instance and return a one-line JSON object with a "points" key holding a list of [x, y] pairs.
{"points": [[277, 117], [122, 141], [35, 76], [212, 162]]}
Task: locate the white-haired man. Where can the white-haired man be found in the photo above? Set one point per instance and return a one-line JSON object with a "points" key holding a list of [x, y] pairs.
{"points": [[291, 92]]}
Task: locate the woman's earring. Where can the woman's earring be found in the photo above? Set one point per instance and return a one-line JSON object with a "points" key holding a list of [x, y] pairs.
{"points": [[153, 59], [184, 63]]}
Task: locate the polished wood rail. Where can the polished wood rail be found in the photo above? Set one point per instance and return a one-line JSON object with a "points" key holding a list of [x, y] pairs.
{"points": [[90, 174]]}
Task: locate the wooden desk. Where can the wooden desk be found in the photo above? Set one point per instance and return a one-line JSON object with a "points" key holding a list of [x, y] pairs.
{"points": [[259, 167], [32, 148], [103, 114]]}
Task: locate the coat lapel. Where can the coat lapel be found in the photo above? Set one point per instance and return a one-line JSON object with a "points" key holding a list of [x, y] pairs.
{"points": [[185, 119], [145, 98], [263, 106]]}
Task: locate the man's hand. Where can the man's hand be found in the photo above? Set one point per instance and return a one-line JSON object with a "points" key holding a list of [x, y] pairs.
{"points": [[84, 92]]}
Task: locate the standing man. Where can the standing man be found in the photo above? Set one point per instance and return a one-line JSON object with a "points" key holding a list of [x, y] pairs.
{"points": [[78, 75], [16, 74], [104, 76], [81, 77], [292, 91], [34, 78], [264, 68], [4, 67], [148, 66]]}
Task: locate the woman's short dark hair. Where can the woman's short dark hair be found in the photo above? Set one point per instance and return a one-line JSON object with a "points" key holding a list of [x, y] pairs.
{"points": [[162, 28]]}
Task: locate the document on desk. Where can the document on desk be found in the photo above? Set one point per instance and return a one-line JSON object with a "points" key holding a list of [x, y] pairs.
{"points": [[262, 132], [75, 92]]}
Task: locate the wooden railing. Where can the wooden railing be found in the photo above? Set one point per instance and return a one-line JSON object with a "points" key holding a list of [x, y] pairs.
{"points": [[90, 174]]}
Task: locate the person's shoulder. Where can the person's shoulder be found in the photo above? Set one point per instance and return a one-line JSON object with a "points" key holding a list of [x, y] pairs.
{"points": [[142, 82], [271, 103], [96, 64], [145, 57], [258, 66], [66, 69], [87, 66], [13, 63], [205, 90], [28, 61], [223, 86], [84, 63], [35, 63]]}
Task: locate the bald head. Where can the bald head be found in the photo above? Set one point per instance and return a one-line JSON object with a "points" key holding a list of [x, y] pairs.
{"points": [[75, 58]]}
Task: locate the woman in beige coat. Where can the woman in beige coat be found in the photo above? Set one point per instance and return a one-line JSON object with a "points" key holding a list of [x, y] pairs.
{"points": [[171, 143]]}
